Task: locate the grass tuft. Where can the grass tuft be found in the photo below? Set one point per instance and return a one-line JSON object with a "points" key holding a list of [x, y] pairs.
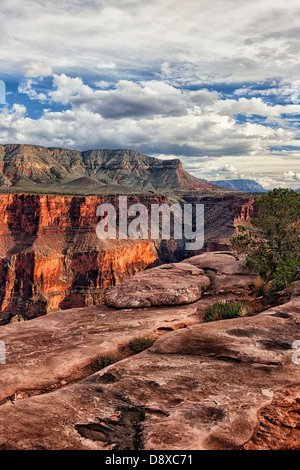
{"points": [[106, 360], [224, 310], [139, 344]]}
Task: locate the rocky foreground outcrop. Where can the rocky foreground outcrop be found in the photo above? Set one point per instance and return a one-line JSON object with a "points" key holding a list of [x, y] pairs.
{"points": [[160, 286], [230, 384]]}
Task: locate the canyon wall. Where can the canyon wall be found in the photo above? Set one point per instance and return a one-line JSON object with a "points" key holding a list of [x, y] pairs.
{"points": [[51, 257]]}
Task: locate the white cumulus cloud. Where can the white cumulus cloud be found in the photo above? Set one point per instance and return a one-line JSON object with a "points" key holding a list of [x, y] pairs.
{"points": [[36, 68]]}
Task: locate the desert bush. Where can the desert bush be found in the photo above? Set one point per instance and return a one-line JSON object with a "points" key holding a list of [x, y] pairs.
{"points": [[139, 344], [223, 310], [262, 288]]}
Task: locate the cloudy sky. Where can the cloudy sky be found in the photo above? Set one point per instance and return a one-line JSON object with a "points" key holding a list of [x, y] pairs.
{"points": [[215, 83]]}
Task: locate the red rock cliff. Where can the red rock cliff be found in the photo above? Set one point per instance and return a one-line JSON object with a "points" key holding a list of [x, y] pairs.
{"points": [[51, 257]]}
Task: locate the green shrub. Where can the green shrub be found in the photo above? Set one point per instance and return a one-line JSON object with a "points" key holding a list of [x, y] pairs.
{"points": [[223, 310], [106, 360], [139, 344]]}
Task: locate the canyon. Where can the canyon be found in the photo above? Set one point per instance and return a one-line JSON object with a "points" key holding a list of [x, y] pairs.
{"points": [[51, 257]]}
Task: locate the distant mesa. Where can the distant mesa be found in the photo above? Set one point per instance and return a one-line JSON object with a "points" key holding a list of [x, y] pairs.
{"points": [[241, 185], [41, 169]]}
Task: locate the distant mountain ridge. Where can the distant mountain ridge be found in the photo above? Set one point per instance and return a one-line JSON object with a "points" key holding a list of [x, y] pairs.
{"points": [[33, 167], [241, 185]]}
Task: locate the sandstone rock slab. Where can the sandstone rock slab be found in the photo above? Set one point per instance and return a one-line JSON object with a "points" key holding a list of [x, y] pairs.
{"points": [[203, 387], [226, 272], [169, 284], [54, 350]]}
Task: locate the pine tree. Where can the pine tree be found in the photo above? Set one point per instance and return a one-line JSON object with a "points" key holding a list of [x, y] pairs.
{"points": [[272, 243]]}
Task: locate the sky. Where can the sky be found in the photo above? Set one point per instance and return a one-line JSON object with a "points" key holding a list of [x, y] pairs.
{"points": [[214, 83]]}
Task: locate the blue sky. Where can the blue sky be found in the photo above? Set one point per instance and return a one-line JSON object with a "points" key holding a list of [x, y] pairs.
{"points": [[216, 84]]}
